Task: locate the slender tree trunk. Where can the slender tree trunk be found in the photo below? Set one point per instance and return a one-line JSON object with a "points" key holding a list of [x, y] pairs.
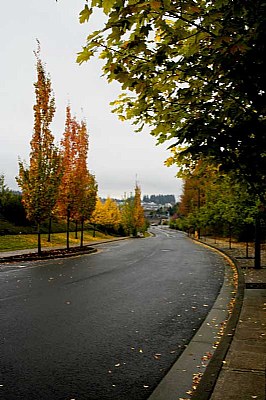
{"points": [[68, 223], [49, 230], [39, 239], [81, 233], [76, 230], [94, 230], [198, 230], [257, 261], [247, 254], [230, 237]]}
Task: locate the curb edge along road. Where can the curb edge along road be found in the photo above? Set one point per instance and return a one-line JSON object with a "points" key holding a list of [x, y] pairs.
{"points": [[195, 364]]}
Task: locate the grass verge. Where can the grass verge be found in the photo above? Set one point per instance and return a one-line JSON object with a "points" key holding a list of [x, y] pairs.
{"points": [[21, 242]]}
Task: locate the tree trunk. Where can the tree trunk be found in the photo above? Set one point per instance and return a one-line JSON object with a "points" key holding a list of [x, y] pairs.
{"points": [[81, 233], [76, 230], [39, 239], [94, 230], [68, 223], [49, 230], [257, 261], [247, 254], [230, 237], [198, 230]]}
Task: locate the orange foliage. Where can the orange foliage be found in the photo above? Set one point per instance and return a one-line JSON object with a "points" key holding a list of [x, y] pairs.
{"points": [[39, 181], [78, 188]]}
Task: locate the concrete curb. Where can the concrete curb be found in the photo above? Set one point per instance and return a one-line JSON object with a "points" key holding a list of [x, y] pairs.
{"points": [[178, 382]]}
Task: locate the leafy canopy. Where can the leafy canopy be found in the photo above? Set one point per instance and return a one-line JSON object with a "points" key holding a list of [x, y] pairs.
{"points": [[194, 71], [40, 180]]}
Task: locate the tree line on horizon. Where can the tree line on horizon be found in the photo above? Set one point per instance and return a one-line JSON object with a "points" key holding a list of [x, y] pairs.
{"points": [[161, 199]]}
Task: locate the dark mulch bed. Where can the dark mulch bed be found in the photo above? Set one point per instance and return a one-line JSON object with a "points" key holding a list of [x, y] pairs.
{"points": [[49, 254]]}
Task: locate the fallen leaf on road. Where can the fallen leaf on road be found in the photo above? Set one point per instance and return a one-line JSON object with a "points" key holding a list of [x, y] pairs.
{"points": [[207, 356]]}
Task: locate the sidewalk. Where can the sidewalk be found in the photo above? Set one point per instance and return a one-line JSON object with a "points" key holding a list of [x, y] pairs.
{"points": [[243, 373]]}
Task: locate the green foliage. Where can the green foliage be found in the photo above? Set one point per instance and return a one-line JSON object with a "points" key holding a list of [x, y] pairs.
{"points": [[11, 208], [132, 214], [127, 219], [138, 213], [216, 203], [85, 14], [195, 73]]}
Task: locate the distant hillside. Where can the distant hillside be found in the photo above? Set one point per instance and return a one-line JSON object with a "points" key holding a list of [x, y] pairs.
{"points": [[160, 199]]}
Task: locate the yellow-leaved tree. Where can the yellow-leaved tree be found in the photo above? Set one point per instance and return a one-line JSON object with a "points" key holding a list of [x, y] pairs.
{"points": [[106, 215]]}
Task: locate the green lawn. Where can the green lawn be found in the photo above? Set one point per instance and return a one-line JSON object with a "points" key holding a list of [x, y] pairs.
{"points": [[20, 242]]}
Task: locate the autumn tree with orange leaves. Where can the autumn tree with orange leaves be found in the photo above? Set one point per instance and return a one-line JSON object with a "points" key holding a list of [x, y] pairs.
{"points": [[39, 181], [78, 188], [86, 192]]}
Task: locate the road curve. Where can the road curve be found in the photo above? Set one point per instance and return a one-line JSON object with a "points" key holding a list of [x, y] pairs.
{"points": [[103, 326]]}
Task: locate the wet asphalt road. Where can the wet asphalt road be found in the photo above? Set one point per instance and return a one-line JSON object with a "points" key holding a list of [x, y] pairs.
{"points": [[103, 326]]}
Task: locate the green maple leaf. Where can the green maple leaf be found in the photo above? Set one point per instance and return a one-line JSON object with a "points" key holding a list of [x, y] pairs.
{"points": [[85, 14]]}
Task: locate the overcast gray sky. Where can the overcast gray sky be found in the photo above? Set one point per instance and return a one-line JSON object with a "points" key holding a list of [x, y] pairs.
{"points": [[117, 155]]}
